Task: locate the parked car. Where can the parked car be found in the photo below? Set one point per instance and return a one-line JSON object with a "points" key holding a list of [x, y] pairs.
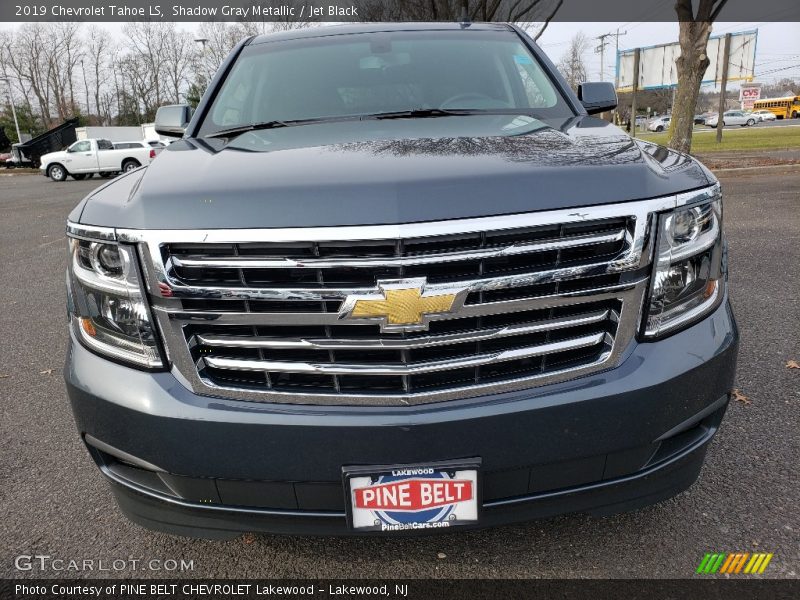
{"points": [[397, 278], [86, 157], [659, 124], [732, 117], [764, 115], [700, 119]]}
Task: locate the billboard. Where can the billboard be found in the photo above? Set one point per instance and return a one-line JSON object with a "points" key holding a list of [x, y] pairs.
{"points": [[657, 68]]}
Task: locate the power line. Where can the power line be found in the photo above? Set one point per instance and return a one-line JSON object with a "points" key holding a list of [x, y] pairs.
{"points": [[602, 47], [777, 70]]}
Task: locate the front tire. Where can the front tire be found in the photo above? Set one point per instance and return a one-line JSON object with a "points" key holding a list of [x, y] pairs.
{"points": [[57, 172], [659, 129], [750, 122], [795, 114], [130, 165]]}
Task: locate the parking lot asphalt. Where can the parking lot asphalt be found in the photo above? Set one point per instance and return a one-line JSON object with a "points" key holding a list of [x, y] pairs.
{"points": [[54, 502]]}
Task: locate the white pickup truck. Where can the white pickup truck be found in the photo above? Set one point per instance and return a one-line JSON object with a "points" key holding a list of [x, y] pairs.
{"points": [[85, 157]]}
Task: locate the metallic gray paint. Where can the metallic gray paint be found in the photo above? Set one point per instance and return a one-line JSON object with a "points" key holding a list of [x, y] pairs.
{"points": [[391, 175]]}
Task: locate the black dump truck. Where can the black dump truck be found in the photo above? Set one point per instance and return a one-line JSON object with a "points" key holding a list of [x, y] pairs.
{"points": [[28, 154], [397, 279]]}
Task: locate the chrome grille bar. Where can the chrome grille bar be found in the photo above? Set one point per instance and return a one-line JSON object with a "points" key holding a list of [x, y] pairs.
{"points": [[332, 318], [225, 341], [621, 263], [407, 369], [255, 262]]}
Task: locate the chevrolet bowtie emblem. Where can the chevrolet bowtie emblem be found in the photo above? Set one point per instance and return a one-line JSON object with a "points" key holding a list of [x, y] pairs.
{"points": [[403, 304]]}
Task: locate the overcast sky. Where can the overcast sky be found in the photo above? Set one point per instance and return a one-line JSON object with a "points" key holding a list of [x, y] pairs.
{"points": [[777, 54], [778, 45]]}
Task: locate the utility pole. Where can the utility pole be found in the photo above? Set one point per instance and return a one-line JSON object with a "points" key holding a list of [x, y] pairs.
{"points": [[635, 89], [726, 57], [86, 87], [601, 49], [602, 46], [203, 42], [13, 110]]}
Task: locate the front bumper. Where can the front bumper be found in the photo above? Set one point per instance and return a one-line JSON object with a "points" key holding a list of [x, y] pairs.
{"points": [[211, 467]]}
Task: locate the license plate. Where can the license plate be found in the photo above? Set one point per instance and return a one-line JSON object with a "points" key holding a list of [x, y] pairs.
{"points": [[412, 497]]}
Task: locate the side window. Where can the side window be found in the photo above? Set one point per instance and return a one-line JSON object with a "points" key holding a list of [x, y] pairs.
{"points": [[104, 145], [82, 146]]}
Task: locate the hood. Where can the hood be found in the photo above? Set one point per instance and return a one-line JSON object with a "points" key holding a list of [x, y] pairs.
{"points": [[388, 172]]}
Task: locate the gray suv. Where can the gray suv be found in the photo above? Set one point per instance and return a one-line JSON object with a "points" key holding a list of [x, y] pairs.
{"points": [[395, 278]]}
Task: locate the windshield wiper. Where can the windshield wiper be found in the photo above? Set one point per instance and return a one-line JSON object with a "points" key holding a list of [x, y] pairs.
{"points": [[234, 131], [415, 113], [424, 113]]}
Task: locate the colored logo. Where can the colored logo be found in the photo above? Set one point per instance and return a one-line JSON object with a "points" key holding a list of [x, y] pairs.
{"points": [[401, 499], [403, 304], [734, 563], [413, 494]]}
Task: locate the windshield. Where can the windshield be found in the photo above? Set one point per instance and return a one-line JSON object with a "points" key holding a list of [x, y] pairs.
{"points": [[358, 75]]}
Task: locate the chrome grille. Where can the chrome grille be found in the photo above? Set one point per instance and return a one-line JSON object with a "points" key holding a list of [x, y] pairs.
{"points": [[255, 314], [359, 358]]}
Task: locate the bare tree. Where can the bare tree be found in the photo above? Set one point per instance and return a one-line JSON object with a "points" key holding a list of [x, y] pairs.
{"points": [[25, 58], [573, 64], [543, 26], [64, 53], [695, 29], [515, 11], [144, 64], [100, 54], [220, 38], [177, 60]]}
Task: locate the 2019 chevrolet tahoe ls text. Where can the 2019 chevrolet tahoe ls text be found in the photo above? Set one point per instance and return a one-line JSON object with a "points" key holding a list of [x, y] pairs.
{"points": [[396, 278]]}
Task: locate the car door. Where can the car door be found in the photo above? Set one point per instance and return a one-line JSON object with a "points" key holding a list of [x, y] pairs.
{"points": [[735, 118], [107, 158], [80, 157]]}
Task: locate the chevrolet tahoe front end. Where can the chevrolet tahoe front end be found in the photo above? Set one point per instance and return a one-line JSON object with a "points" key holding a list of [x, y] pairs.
{"points": [[333, 311]]}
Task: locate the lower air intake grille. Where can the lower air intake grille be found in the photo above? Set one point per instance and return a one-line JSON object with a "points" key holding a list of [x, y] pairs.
{"points": [[359, 359]]}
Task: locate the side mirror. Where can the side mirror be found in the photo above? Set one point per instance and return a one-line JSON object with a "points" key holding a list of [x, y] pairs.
{"points": [[172, 120], [597, 96]]}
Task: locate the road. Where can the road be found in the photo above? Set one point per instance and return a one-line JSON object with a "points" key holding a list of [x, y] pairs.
{"points": [[54, 502]]}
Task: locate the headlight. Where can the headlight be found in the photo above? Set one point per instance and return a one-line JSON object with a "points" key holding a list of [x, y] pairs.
{"points": [[106, 303], [688, 276]]}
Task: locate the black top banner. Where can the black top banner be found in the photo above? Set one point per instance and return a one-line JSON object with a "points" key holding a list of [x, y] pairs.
{"points": [[320, 11]]}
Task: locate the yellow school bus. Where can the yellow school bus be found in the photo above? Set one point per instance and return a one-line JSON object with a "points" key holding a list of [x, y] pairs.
{"points": [[783, 108]]}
